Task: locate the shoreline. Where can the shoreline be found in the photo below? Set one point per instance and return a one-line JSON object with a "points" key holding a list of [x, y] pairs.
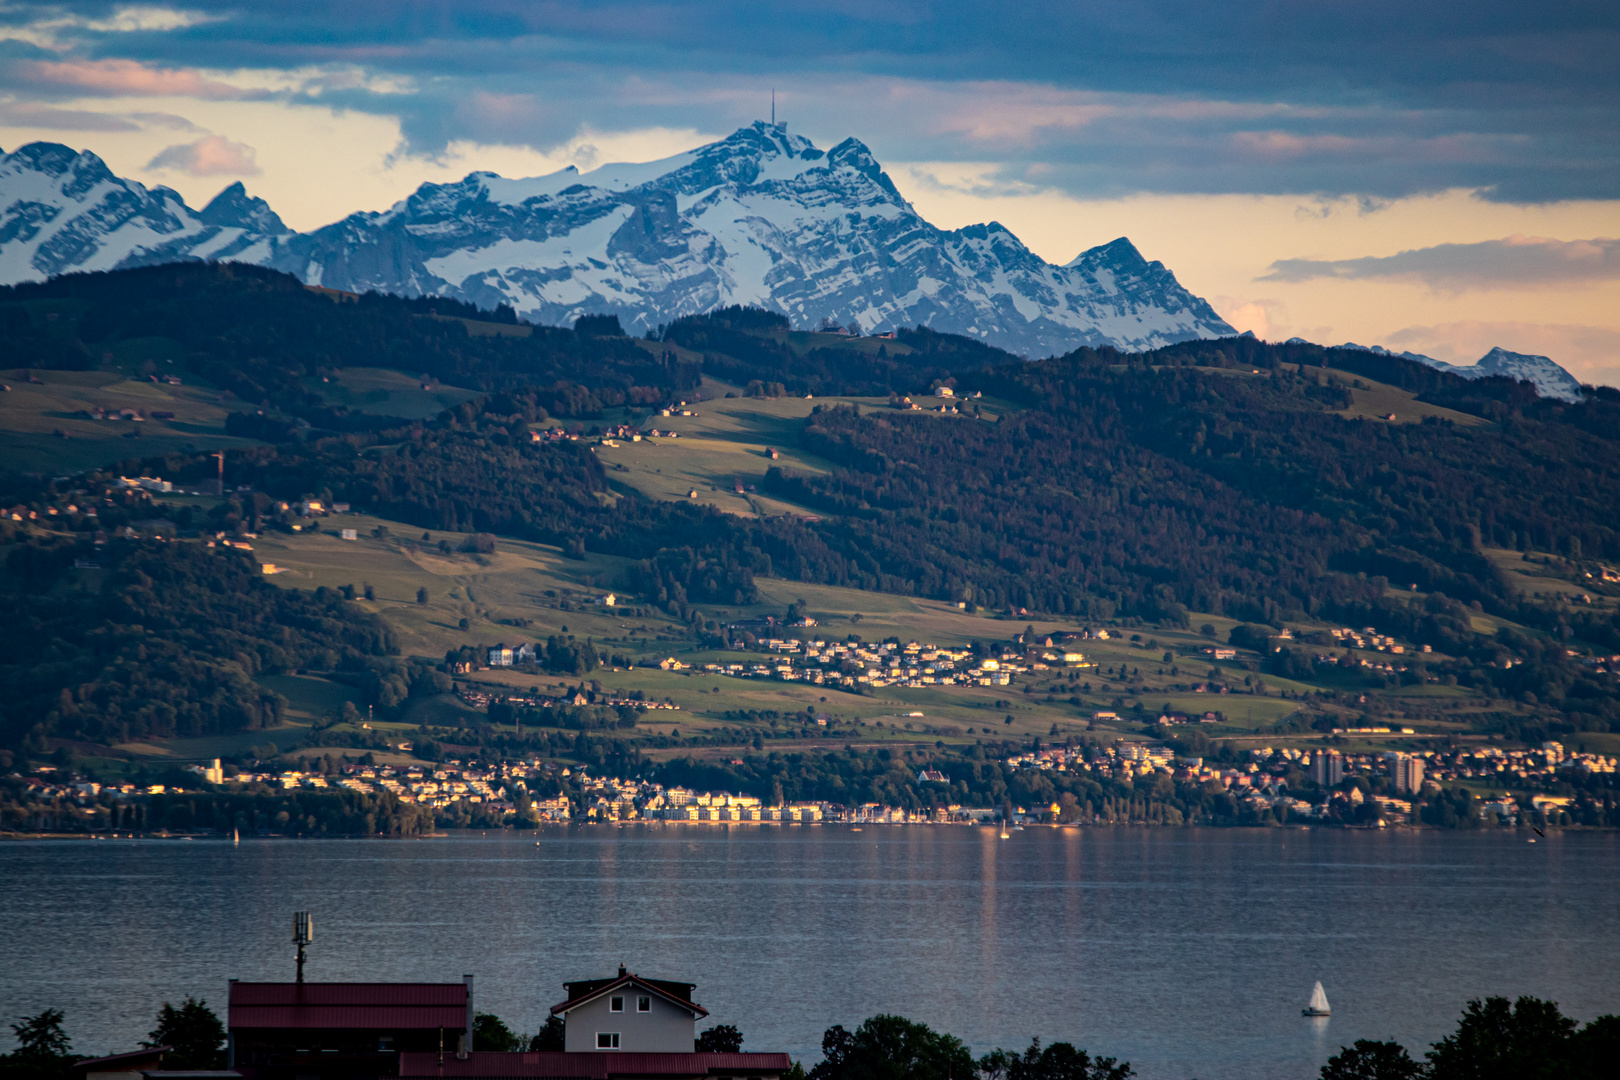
{"points": [[548, 826]]}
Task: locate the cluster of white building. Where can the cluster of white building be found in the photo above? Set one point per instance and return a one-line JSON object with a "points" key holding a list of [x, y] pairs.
{"points": [[482, 699], [1368, 638], [1258, 783], [426, 785], [914, 664]]}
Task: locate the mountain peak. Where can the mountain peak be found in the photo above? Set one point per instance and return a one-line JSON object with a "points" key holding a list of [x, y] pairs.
{"points": [[1499, 356], [764, 139], [235, 208], [1548, 377], [52, 159], [854, 154], [59, 162], [1121, 254]]}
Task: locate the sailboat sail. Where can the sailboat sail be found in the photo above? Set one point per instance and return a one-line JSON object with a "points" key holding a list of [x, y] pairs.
{"points": [[1319, 1002]]}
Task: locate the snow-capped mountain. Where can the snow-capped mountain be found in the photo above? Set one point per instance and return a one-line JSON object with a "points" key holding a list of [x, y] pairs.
{"points": [[65, 211], [1549, 379], [762, 217]]}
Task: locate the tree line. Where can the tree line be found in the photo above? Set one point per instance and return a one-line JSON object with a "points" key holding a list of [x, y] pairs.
{"points": [[1495, 1039]]}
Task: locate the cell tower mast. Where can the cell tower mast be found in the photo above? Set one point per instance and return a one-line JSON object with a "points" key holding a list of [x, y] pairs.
{"points": [[303, 934]]}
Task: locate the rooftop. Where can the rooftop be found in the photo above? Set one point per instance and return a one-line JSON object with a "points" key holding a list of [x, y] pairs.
{"points": [[395, 1006], [588, 1065]]}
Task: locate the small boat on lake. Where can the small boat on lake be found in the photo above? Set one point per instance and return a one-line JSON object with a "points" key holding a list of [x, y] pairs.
{"points": [[1319, 1003]]}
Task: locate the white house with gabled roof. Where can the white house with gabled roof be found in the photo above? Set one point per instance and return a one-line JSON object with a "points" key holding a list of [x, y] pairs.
{"points": [[629, 1013]]}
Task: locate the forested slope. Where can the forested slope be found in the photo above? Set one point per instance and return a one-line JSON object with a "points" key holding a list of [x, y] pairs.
{"points": [[262, 336], [144, 639], [1224, 477]]}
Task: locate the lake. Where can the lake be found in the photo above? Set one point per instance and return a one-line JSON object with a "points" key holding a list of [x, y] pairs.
{"points": [[1188, 952]]}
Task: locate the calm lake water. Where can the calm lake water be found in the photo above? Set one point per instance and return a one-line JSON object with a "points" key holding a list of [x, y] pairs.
{"points": [[1187, 952]]}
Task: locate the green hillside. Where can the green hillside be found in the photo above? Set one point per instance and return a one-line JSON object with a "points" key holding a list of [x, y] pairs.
{"points": [[1210, 493]]}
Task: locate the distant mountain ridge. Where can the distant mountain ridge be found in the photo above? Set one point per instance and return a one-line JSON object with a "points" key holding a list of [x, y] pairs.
{"points": [[1548, 377], [66, 211], [762, 217]]}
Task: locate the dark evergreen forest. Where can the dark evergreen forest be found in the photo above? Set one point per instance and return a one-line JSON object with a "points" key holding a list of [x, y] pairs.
{"points": [[150, 640]]}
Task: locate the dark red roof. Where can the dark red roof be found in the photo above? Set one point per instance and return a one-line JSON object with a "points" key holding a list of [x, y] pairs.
{"points": [[596, 988], [377, 1006], [589, 1065]]}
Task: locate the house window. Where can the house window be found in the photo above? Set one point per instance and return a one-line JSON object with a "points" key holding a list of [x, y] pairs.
{"points": [[643, 1004], [607, 1040], [385, 1044], [616, 1004]]}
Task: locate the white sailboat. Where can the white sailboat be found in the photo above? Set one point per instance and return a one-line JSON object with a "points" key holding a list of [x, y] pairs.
{"points": [[236, 836], [1319, 1003]]}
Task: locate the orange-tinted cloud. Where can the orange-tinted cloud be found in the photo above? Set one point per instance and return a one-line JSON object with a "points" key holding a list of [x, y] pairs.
{"points": [[1511, 263], [28, 114], [127, 78], [213, 155]]}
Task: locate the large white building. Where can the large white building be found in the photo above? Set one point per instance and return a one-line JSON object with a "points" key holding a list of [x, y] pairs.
{"points": [[1327, 768], [1405, 772]]}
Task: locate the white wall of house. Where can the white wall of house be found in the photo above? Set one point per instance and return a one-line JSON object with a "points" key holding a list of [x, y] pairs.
{"points": [[662, 1029]]}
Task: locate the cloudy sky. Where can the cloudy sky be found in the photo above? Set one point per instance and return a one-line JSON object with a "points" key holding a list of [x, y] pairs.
{"points": [[1435, 175]]}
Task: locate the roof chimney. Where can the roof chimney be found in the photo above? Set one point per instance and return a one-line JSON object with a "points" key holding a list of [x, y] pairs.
{"points": [[622, 972]]}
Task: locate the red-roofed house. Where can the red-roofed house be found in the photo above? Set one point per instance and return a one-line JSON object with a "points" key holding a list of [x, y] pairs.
{"points": [[343, 1029]]}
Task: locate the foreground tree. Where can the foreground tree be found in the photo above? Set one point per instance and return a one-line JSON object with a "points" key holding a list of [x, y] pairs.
{"points": [[192, 1032], [41, 1037], [720, 1039], [550, 1039], [490, 1033], [892, 1048], [1369, 1060], [43, 1051], [1060, 1061], [1495, 1040]]}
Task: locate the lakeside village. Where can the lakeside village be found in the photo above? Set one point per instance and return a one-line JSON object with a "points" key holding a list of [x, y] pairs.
{"points": [[1327, 786]]}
